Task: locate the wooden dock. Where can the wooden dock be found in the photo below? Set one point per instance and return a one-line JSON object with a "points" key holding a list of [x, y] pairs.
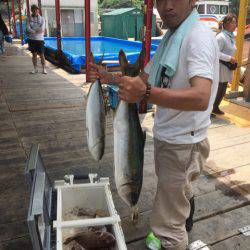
{"points": [[50, 110]]}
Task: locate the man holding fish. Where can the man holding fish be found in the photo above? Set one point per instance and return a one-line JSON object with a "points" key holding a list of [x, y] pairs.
{"points": [[182, 80]]}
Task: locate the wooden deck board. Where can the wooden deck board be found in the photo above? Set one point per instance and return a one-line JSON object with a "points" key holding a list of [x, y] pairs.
{"points": [[50, 110]]}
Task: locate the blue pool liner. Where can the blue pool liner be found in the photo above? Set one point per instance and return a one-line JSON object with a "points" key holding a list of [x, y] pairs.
{"points": [[108, 48]]}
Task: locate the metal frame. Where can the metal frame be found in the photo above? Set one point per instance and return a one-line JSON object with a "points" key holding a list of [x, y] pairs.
{"points": [[58, 31], [240, 42], [9, 16], [28, 8], [40, 7], [149, 19], [40, 201], [87, 38]]}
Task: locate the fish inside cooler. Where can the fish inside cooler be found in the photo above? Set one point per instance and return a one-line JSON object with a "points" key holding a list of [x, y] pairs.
{"points": [[81, 213], [78, 237], [87, 219]]}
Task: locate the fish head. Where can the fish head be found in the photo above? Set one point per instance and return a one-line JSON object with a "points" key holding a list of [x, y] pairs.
{"points": [[107, 238]]}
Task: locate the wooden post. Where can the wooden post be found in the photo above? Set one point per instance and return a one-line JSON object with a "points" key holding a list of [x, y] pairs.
{"points": [[14, 17], [87, 38], [240, 42], [9, 15], [58, 31], [20, 20], [28, 8], [247, 81]]}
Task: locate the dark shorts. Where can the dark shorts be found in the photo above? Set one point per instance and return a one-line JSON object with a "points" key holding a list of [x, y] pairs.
{"points": [[36, 46]]}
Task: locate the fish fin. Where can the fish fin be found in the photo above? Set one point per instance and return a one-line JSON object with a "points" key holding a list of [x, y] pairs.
{"points": [[134, 216]]}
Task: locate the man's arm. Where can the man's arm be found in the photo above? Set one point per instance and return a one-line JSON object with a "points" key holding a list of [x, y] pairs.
{"points": [[41, 28], [194, 98], [29, 28]]}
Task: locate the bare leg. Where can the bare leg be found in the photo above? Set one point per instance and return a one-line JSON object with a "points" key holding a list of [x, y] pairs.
{"points": [[43, 62], [34, 60]]}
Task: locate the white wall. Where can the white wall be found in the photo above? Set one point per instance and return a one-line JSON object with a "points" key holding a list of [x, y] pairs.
{"points": [[67, 3], [77, 5]]}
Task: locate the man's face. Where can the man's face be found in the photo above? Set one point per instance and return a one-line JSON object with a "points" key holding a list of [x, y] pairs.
{"points": [[173, 12], [35, 12]]}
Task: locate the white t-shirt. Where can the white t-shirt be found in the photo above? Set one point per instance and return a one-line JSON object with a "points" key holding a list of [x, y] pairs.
{"points": [[199, 56], [36, 23]]}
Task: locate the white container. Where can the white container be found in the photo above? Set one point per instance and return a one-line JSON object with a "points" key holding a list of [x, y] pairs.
{"points": [[94, 195]]}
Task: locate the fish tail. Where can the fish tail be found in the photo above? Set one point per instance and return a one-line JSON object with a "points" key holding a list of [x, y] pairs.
{"points": [[134, 216]]}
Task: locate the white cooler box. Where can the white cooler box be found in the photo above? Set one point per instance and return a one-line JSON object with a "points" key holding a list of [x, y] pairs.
{"points": [[48, 220]]}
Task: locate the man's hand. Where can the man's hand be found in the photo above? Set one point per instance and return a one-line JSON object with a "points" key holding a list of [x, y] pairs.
{"points": [[98, 71], [131, 89]]}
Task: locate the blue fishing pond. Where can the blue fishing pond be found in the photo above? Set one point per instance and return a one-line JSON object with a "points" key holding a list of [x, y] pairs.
{"points": [[74, 49]]}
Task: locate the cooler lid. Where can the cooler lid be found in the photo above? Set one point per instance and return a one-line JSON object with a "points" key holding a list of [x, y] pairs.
{"points": [[39, 213]]}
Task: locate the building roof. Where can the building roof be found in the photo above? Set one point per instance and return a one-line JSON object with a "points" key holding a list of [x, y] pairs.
{"points": [[119, 11]]}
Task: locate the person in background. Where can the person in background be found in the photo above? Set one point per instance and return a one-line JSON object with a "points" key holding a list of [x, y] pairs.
{"points": [[4, 34], [35, 30], [227, 47]]}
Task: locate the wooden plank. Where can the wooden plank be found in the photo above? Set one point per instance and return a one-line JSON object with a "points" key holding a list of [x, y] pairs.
{"points": [[15, 87], [9, 143], [138, 245], [240, 177], [44, 96], [13, 230], [239, 242], [230, 157], [10, 170], [221, 227], [226, 136], [219, 122], [210, 230], [17, 244], [45, 103], [29, 131], [40, 114], [235, 243]]}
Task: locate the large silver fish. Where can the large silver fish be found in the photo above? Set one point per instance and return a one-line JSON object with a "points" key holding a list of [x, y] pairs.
{"points": [[96, 121], [129, 141]]}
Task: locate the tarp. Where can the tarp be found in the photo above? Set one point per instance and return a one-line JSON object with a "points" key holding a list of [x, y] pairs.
{"points": [[108, 48]]}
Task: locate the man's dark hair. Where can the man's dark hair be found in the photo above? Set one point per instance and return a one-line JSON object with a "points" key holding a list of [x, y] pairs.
{"points": [[34, 7], [227, 19]]}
